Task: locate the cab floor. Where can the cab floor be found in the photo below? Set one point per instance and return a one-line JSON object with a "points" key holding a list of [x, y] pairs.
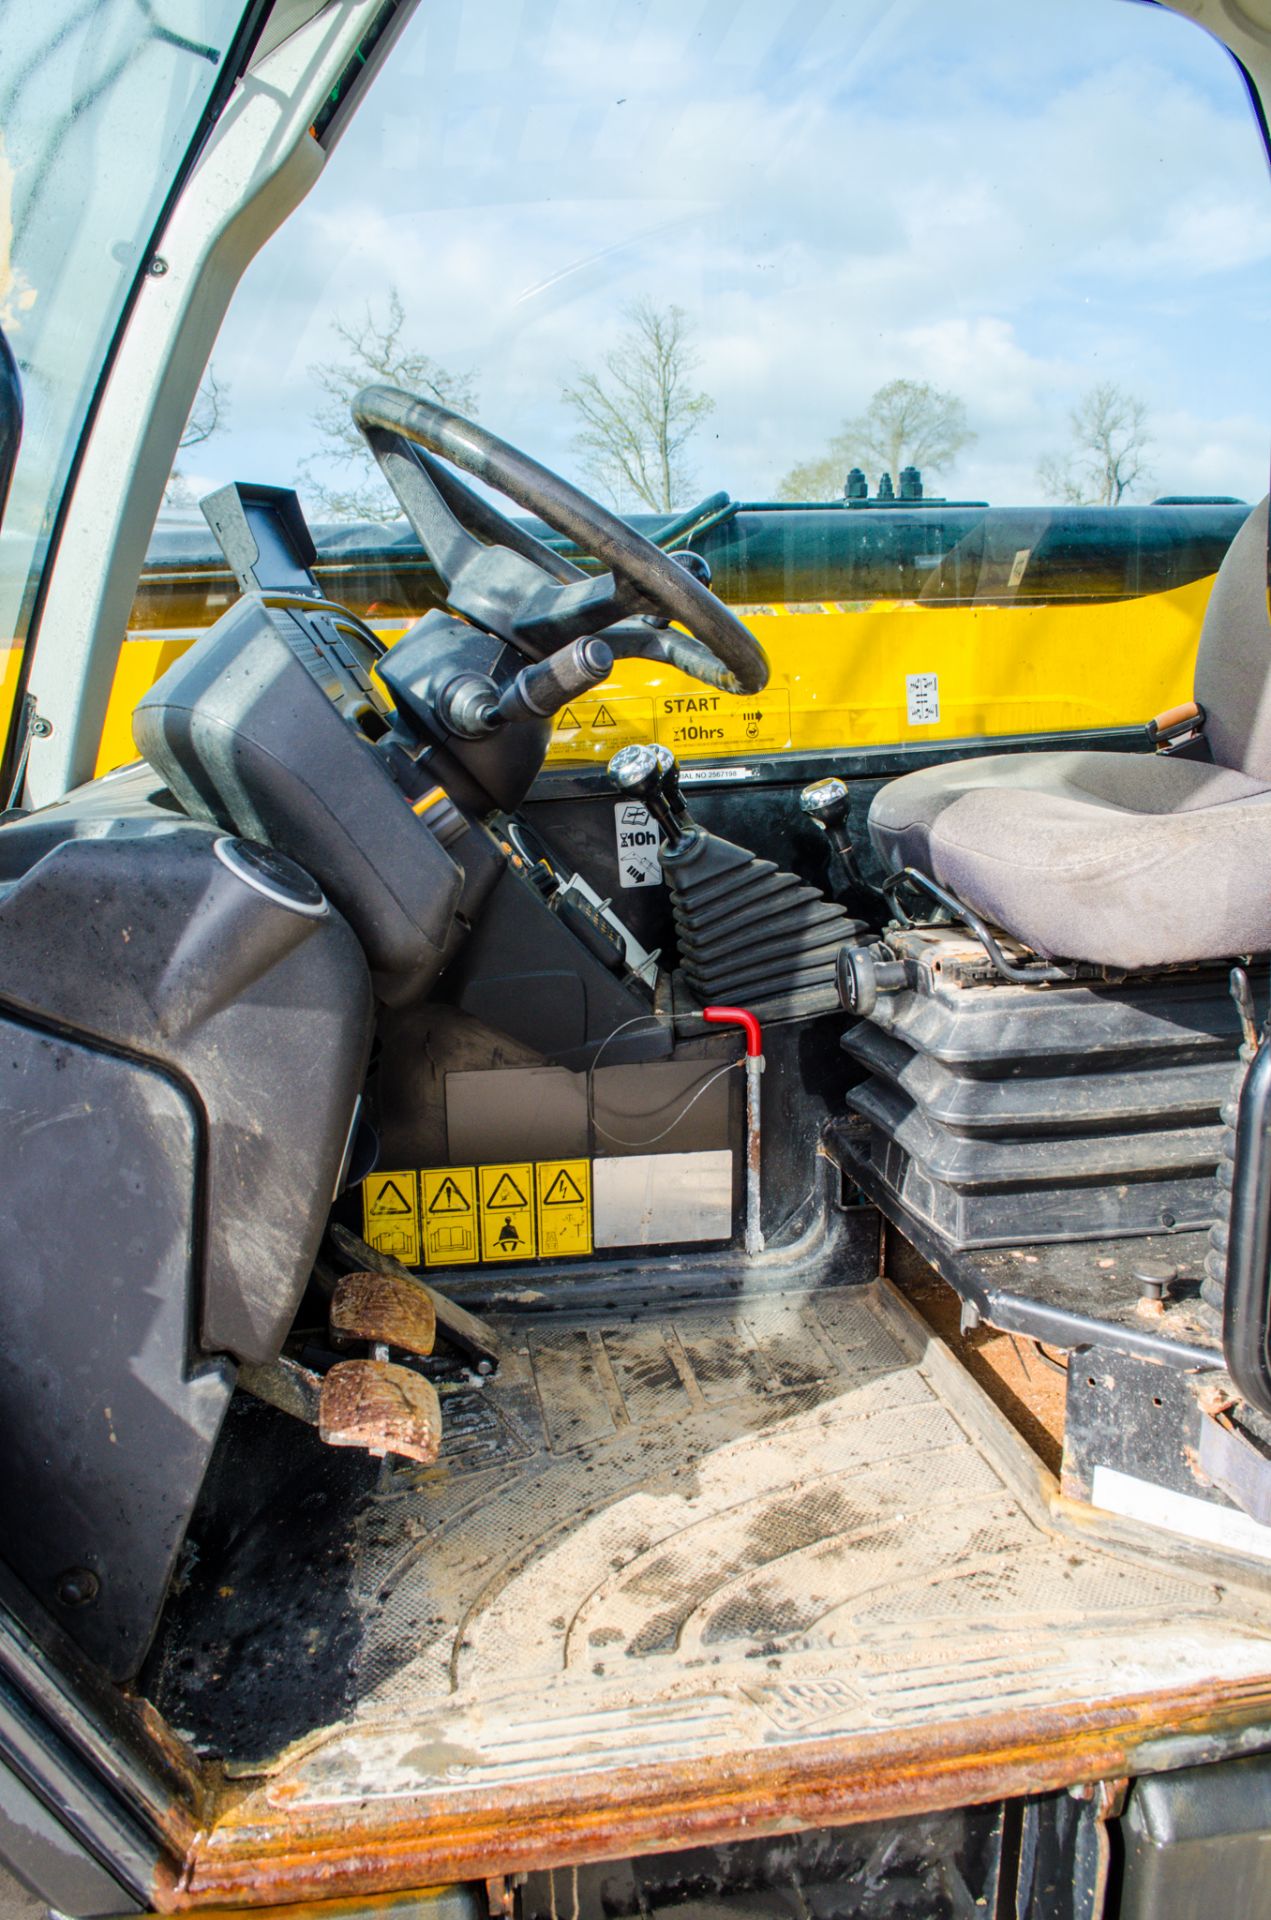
{"points": [[658, 1538]]}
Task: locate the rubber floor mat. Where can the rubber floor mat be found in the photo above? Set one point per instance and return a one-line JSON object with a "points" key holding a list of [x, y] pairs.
{"points": [[687, 1537]]}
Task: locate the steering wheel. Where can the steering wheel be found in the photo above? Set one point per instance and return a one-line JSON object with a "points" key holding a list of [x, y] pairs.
{"points": [[501, 578]]}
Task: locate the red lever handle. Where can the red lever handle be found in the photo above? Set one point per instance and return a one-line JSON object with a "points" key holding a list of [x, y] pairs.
{"points": [[738, 1017]]}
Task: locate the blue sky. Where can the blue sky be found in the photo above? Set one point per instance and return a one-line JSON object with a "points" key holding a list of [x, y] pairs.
{"points": [[1009, 198]]}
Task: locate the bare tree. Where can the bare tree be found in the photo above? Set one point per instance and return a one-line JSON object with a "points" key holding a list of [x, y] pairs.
{"points": [[207, 416], [639, 412], [209, 412], [374, 349], [1107, 455], [908, 423]]}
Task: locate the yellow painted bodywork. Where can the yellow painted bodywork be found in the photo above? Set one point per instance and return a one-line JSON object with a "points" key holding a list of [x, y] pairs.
{"points": [[839, 677]]}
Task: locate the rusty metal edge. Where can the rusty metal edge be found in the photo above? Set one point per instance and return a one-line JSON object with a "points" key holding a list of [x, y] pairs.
{"points": [[565, 1822], [1037, 1489]]}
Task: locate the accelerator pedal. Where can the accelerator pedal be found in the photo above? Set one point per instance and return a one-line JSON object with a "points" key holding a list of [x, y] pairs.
{"points": [[380, 1408]]}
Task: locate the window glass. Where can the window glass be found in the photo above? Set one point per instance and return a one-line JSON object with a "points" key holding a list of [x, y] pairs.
{"points": [[99, 100], [1015, 281]]}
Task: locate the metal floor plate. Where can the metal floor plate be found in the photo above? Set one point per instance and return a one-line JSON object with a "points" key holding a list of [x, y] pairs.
{"points": [[696, 1547]]}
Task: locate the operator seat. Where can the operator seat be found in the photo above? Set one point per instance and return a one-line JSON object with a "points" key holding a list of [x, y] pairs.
{"points": [[1125, 860]]}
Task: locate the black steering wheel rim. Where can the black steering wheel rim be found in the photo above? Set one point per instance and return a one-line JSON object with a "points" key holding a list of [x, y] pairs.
{"points": [[460, 532]]}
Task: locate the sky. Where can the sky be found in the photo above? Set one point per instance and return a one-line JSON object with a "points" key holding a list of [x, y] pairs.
{"points": [[1011, 199]]}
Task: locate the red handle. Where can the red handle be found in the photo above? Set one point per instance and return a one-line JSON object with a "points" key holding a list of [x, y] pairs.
{"points": [[738, 1017]]}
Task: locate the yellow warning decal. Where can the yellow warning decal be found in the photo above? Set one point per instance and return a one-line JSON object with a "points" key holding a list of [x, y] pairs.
{"points": [[507, 1212], [586, 728], [448, 1207], [390, 1215], [691, 722], [564, 1207]]}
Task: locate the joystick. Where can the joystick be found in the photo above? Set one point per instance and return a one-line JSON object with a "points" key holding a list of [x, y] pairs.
{"points": [[748, 934]]}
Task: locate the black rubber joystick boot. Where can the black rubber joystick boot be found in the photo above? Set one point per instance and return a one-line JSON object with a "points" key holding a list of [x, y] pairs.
{"points": [[749, 934]]}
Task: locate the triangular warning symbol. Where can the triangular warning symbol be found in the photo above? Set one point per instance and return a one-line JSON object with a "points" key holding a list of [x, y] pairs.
{"points": [[507, 1194], [391, 1199], [564, 1192], [603, 719], [448, 1198], [567, 721]]}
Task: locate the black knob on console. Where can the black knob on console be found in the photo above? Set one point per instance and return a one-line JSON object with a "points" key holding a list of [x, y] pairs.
{"points": [[862, 973]]}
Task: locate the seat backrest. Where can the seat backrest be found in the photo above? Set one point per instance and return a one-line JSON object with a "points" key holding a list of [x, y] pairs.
{"points": [[1233, 666]]}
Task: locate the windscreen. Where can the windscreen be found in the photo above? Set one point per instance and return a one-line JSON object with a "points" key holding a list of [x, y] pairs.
{"points": [[940, 298]]}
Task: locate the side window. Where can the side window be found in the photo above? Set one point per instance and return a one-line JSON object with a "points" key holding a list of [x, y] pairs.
{"points": [[97, 106], [942, 342]]}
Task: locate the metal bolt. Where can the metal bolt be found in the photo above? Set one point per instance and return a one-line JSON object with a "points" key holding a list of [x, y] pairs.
{"points": [[78, 1587], [156, 266], [1154, 1278]]}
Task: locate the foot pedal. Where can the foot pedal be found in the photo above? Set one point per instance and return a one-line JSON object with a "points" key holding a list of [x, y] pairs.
{"points": [[381, 1408], [470, 1336], [383, 1311]]}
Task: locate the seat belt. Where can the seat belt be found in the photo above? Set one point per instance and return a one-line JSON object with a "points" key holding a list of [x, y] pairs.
{"points": [[1181, 726]]}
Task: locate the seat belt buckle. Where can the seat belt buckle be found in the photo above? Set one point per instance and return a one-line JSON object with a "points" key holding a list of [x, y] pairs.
{"points": [[1177, 726]]}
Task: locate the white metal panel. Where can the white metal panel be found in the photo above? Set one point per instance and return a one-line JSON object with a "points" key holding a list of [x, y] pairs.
{"points": [[661, 1199]]}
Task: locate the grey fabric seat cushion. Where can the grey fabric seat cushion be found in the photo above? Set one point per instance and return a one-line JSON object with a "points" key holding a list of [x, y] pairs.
{"points": [[1127, 860]]}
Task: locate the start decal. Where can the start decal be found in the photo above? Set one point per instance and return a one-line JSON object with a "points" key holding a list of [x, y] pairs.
{"points": [[689, 722]]}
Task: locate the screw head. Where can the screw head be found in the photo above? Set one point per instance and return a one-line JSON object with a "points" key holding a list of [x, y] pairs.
{"points": [[77, 1587], [156, 266]]}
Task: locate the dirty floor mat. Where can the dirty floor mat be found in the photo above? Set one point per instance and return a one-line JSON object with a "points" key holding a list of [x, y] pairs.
{"points": [[662, 1534]]}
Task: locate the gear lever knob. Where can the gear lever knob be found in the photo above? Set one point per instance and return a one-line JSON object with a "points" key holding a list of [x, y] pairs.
{"points": [[649, 774], [828, 802]]}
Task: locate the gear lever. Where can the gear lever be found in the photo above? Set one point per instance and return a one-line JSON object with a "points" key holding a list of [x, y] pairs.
{"points": [[650, 774], [828, 803]]}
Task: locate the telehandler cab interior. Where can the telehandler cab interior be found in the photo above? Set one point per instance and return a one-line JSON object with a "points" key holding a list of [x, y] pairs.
{"points": [[591, 1325]]}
